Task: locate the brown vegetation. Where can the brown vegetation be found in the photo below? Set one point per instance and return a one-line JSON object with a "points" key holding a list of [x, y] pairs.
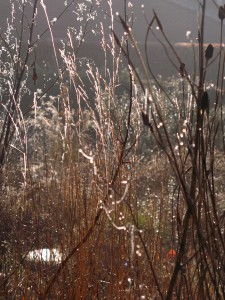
{"points": [[121, 173]]}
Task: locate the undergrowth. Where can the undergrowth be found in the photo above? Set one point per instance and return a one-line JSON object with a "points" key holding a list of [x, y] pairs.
{"points": [[117, 171]]}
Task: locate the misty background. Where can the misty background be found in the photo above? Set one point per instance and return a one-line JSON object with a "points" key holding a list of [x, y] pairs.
{"points": [[178, 17]]}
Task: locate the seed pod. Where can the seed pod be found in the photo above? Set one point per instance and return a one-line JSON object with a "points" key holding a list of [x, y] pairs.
{"points": [[34, 77], [209, 51], [221, 13], [145, 119], [182, 71], [146, 122], [205, 102]]}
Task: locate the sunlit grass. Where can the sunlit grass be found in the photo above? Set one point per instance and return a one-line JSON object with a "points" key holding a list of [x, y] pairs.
{"points": [[97, 204]]}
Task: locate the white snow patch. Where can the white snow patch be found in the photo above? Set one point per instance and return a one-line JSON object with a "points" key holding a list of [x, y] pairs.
{"points": [[45, 255]]}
